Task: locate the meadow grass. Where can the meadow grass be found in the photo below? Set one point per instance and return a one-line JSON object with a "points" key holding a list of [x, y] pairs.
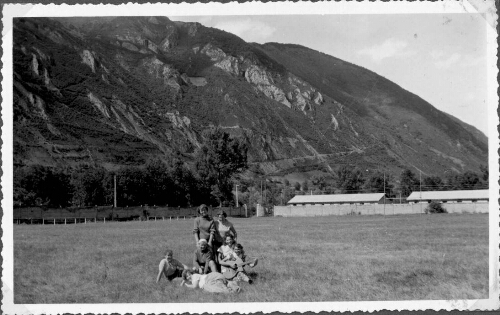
{"points": [[346, 258]]}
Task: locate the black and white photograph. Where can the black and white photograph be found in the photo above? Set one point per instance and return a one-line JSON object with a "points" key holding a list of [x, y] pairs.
{"points": [[248, 157]]}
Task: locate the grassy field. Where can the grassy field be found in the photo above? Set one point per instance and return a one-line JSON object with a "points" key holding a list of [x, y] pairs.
{"points": [[346, 258]]}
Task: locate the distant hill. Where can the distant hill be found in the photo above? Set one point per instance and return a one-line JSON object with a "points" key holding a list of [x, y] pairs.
{"points": [[119, 90]]}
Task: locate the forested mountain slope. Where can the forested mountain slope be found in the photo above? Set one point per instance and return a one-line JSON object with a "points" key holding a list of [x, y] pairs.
{"points": [[118, 91]]}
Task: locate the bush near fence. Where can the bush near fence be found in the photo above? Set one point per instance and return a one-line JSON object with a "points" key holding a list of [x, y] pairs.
{"points": [[38, 214]]}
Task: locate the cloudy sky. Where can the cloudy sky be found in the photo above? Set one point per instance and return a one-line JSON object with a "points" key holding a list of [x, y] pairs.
{"points": [[441, 58]]}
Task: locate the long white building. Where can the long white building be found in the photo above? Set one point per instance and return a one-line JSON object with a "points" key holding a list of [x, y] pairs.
{"points": [[376, 198], [449, 196]]}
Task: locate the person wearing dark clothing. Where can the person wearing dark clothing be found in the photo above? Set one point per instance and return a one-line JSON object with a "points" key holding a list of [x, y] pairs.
{"points": [[204, 227], [203, 259]]}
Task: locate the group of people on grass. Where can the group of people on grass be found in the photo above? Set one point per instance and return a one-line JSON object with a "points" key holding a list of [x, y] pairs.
{"points": [[218, 261]]}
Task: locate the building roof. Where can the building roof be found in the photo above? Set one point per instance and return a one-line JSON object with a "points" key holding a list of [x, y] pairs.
{"points": [[449, 195], [336, 198]]}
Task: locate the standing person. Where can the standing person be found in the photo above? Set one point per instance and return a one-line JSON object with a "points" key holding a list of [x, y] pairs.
{"points": [[213, 282], [204, 227], [224, 227], [170, 267], [203, 258]]}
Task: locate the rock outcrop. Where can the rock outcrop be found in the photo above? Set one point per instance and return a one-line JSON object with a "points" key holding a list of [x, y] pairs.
{"points": [[171, 38], [165, 72], [98, 105], [88, 59]]}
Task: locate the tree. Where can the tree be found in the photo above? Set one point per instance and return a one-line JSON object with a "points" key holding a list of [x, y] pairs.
{"points": [[297, 186], [288, 194], [132, 186], [319, 181], [466, 181], [409, 182], [219, 158], [91, 186], [433, 183], [305, 186], [274, 194], [158, 182], [379, 182], [41, 185], [485, 172], [349, 180], [329, 189]]}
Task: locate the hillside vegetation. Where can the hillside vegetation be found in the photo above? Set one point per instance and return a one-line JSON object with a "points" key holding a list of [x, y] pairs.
{"points": [[117, 92]]}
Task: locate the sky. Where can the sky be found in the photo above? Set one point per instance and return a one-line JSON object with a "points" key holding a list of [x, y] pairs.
{"points": [[439, 57]]}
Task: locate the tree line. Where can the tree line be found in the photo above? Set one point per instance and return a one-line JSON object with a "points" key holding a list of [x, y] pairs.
{"points": [[352, 180], [170, 181], [212, 178]]}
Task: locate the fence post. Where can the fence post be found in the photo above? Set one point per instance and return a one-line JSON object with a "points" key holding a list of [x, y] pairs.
{"points": [[104, 219], [54, 221], [64, 221], [75, 220], [85, 220]]}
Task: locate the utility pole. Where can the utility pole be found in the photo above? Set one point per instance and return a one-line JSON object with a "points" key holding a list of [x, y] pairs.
{"points": [[114, 191], [261, 200], [420, 191], [237, 196], [384, 193]]}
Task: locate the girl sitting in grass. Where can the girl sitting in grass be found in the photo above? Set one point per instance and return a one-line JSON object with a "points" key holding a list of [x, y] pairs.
{"points": [[213, 282], [233, 265], [227, 248], [170, 267]]}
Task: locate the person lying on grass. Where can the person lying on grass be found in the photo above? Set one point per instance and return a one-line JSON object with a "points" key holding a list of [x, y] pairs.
{"points": [[203, 259], [233, 265], [170, 267], [227, 248], [213, 282]]}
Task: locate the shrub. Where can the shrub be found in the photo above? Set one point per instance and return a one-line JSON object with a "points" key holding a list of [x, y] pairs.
{"points": [[435, 207]]}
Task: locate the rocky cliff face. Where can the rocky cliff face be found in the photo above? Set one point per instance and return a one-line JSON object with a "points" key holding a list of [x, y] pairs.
{"points": [[117, 91]]}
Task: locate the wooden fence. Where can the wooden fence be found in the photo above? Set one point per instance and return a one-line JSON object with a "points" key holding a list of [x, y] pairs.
{"points": [[39, 215]]}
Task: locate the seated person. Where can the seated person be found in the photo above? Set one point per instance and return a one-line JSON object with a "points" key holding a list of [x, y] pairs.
{"points": [[233, 265], [227, 248], [170, 267], [203, 259], [213, 282]]}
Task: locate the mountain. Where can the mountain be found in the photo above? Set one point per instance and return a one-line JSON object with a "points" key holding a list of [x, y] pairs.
{"points": [[117, 91]]}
